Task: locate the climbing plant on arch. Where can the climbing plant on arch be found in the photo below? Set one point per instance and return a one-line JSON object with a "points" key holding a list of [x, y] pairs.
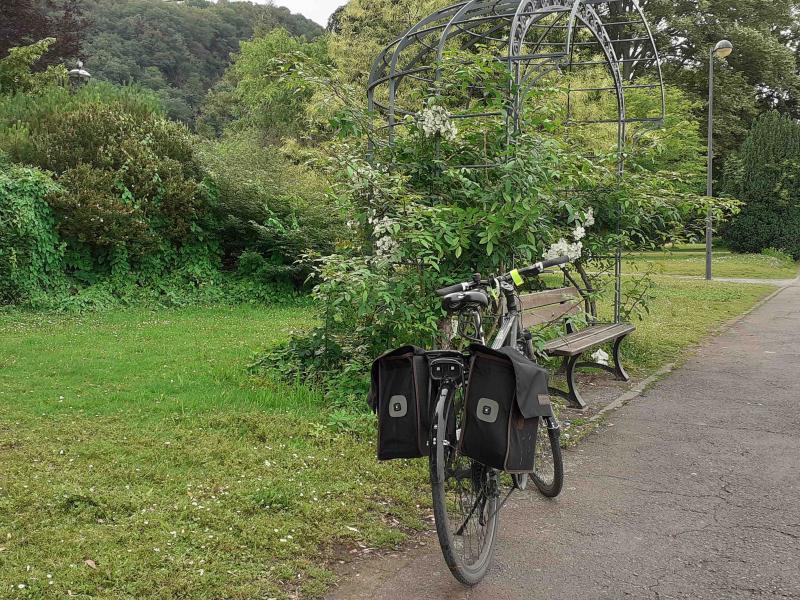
{"points": [[566, 44]]}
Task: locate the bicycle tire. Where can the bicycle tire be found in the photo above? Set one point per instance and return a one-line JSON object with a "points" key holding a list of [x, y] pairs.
{"points": [[548, 487], [547, 452], [466, 566]]}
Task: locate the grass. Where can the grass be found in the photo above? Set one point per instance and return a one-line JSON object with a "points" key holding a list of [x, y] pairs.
{"points": [[135, 440], [682, 313], [689, 260], [139, 459]]}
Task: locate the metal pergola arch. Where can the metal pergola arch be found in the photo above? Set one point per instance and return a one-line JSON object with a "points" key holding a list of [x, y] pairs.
{"points": [[535, 38]]}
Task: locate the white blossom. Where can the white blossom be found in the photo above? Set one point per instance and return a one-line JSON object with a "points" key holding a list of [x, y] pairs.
{"points": [[600, 357], [579, 233], [436, 121], [589, 220], [563, 248], [385, 246]]}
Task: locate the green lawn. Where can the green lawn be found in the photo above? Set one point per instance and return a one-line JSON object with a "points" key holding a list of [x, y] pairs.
{"points": [[682, 313], [689, 260], [136, 440], [139, 459]]}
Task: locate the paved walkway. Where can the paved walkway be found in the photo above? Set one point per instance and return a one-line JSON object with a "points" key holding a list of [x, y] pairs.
{"points": [[692, 491]]}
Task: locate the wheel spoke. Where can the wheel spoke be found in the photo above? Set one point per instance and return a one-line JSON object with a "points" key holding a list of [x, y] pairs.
{"points": [[464, 503]]}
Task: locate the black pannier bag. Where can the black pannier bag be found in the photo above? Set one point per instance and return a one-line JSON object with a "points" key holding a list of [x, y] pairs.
{"points": [[400, 395], [505, 398]]}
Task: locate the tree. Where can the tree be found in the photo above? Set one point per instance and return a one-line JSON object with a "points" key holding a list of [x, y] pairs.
{"points": [[69, 26], [761, 73], [16, 69], [765, 174], [364, 27], [271, 102], [22, 22]]}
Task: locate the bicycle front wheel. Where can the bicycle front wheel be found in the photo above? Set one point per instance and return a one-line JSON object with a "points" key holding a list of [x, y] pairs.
{"points": [[548, 474], [465, 496]]}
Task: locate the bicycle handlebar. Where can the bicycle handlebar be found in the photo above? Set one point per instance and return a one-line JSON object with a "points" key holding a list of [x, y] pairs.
{"points": [[452, 289], [545, 264], [532, 270]]}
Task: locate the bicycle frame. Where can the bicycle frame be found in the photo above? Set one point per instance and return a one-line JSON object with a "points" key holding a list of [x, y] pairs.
{"points": [[509, 322]]}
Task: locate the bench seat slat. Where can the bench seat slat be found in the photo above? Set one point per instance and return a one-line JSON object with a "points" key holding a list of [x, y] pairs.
{"points": [[548, 297], [549, 314], [594, 335]]}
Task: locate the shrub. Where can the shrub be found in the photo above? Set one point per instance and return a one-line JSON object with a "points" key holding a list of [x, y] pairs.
{"points": [[30, 252], [131, 186], [778, 255], [269, 204], [764, 174]]}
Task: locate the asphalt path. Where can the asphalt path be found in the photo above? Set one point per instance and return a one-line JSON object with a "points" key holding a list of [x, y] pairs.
{"points": [[690, 491]]}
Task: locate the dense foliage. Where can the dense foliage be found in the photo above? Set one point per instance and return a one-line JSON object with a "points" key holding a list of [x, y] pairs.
{"points": [[30, 251], [139, 199], [141, 207], [132, 186], [252, 93], [268, 204], [766, 175]]}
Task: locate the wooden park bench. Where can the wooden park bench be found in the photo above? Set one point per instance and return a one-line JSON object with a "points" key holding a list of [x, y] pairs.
{"points": [[556, 306]]}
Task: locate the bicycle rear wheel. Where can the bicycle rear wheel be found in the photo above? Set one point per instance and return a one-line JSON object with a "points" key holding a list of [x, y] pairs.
{"points": [[465, 496]]}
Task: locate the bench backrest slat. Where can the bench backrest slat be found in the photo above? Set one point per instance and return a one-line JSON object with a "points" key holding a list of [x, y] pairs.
{"points": [[540, 308]]}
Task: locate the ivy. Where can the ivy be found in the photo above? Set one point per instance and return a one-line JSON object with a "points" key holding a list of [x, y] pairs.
{"points": [[31, 254]]}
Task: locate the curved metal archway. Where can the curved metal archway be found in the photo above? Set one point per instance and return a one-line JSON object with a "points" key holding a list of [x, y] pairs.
{"points": [[538, 40]]}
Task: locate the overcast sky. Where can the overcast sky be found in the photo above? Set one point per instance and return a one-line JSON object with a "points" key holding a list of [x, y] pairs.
{"points": [[316, 10]]}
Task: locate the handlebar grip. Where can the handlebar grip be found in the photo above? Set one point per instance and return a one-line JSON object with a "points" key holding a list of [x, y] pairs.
{"points": [[555, 262], [545, 264], [452, 289]]}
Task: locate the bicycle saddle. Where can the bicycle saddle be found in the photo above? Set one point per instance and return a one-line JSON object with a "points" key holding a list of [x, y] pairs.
{"points": [[458, 300]]}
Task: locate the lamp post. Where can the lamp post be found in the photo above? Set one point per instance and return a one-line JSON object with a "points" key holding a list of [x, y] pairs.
{"points": [[79, 76], [721, 50]]}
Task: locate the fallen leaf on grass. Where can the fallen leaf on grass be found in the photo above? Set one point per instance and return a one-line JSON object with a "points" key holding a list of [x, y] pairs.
{"points": [[90, 563]]}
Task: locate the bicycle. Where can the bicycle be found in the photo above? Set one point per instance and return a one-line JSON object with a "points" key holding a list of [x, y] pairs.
{"points": [[466, 494]]}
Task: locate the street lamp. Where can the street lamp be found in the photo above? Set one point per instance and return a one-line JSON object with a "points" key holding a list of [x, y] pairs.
{"points": [[721, 50], [79, 76]]}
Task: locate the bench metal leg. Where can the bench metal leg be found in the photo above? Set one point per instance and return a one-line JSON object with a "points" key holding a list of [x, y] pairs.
{"points": [[573, 397], [618, 368]]}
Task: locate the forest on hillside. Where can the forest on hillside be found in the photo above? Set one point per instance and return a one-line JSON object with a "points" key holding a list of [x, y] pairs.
{"points": [[177, 49]]}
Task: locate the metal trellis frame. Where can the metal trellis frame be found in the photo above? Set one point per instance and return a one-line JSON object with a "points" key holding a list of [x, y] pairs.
{"points": [[538, 40]]}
